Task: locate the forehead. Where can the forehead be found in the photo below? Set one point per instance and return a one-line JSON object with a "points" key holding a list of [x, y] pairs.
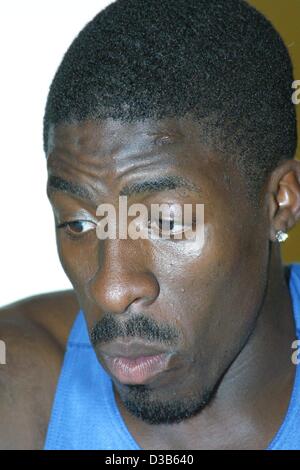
{"points": [[108, 136], [110, 153]]}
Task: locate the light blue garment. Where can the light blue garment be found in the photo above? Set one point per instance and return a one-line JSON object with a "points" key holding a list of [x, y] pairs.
{"points": [[288, 435], [85, 414]]}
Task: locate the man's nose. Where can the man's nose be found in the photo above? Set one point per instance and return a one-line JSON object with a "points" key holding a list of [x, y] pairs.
{"points": [[122, 279]]}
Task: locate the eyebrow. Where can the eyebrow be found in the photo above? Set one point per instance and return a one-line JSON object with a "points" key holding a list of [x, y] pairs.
{"points": [[169, 182], [56, 183]]}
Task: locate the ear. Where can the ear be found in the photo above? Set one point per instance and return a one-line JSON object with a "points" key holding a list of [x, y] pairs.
{"points": [[284, 197]]}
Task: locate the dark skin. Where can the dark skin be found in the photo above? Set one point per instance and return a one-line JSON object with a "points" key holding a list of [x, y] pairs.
{"points": [[230, 299]]}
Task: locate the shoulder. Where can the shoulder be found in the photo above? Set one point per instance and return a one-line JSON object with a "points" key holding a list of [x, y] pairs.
{"points": [[33, 332], [51, 314]]}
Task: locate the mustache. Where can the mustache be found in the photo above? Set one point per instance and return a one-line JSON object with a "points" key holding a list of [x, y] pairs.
{"points": [[141, 326]]}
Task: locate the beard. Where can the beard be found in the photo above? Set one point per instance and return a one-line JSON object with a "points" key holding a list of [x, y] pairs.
{"points": [[141, 402]]}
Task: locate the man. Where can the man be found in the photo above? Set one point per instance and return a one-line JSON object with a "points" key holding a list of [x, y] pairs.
{"points": [[165, 343]]}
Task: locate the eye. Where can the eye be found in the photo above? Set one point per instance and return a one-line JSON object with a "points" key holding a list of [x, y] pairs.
{"points": [[168, 228], [77, 228]]}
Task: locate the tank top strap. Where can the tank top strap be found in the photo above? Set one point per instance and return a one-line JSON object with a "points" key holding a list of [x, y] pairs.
{"points": [[79, 333], [294, 285]]}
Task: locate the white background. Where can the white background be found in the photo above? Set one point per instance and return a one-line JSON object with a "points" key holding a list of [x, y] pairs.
{"points": [[33, 38]]}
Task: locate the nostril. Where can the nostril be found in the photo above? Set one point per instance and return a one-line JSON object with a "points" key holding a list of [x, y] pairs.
{"points": [[116, 295]]}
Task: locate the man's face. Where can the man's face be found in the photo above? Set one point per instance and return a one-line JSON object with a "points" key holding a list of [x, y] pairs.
{"points": [[198, 302]]}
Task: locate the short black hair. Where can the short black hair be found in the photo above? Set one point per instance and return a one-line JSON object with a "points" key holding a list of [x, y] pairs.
{"points": [[220, 60]]}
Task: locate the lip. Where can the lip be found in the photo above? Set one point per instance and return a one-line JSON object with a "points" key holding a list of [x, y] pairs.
{"points": [[132, 349], [137, 370]]}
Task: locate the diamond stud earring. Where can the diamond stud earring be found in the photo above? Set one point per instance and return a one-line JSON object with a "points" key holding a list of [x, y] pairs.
{"points": [[281, 236]]}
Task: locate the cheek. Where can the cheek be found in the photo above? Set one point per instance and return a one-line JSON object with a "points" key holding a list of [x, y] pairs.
{"points": [[215, 295], [79, 259]]}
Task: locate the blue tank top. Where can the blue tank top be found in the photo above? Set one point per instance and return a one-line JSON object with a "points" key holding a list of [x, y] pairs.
{"points": [[85, 415]]}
